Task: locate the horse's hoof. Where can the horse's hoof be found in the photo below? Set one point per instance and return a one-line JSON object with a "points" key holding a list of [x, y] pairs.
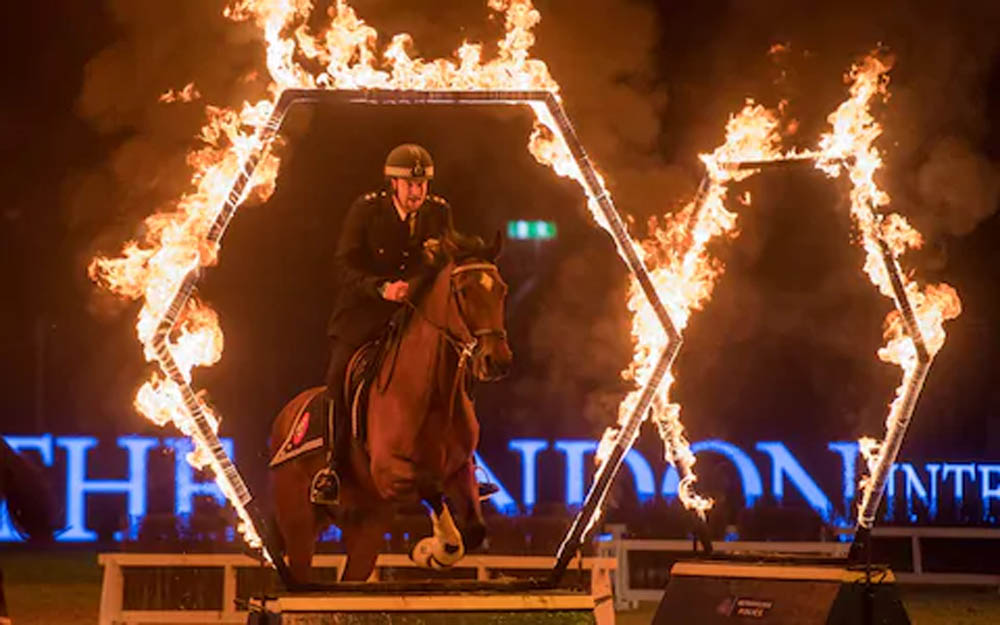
{"points": [[432, 554], [423, 554]]}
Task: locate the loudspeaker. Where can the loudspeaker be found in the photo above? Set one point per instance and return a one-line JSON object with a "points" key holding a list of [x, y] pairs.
{"points": [[711, 592]]}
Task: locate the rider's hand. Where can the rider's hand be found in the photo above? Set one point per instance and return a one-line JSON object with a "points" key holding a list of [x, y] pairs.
{"points": [[395, 291]]}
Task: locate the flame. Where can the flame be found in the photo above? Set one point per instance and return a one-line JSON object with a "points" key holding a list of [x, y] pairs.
{"points": [[176, 242], [685, 274], [188, 94], [850, 146], [345, 53]]}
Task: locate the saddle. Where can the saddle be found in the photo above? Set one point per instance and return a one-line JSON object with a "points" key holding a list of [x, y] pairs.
{"points": [[313, 426]]}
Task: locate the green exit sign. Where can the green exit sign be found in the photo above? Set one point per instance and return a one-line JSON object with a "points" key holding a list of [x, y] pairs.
{"points": [[527, 230]]}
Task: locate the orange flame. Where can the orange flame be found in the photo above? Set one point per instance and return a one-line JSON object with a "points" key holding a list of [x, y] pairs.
{"points": [[188, 94], [346, 51], [175, 242], [850, 145]]}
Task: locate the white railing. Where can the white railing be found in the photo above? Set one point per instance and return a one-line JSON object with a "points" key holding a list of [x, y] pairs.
{"points": [[113, 613], [627, 597], [611, 565]]}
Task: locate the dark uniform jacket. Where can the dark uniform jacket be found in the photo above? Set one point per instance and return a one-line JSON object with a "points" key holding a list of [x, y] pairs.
{"points": [[376, 247]]}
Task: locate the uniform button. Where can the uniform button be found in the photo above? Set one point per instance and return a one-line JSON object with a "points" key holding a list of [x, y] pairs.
{"points": [[402, 267], [406, 254]]}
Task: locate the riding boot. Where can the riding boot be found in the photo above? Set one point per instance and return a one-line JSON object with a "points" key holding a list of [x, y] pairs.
{"points": [[325, 488]]}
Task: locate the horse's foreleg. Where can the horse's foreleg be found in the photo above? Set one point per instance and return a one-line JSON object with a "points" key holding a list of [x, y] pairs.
{"points": [[362, 539], [444, 547], [297, 520], [462, 491]]}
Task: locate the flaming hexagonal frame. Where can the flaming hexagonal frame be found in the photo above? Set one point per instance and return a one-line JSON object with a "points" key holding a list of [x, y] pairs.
{"points": [[543, 103]]}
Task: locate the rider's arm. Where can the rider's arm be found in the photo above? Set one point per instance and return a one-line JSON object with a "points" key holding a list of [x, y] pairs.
{"points": [[349, 260]]}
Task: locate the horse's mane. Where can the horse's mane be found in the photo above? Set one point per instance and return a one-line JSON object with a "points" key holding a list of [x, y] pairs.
{"points": [[459, 247], [29, 499], [455, 247]]}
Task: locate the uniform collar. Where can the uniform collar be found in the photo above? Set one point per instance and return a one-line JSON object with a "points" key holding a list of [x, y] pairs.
{"points": [[399, 211]]}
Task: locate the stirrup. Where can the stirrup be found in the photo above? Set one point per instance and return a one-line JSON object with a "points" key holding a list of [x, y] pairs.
{"points": [[325, 488]]}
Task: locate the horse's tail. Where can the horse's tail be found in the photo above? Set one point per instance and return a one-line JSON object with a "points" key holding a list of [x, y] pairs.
{"points": [[29, 498]]}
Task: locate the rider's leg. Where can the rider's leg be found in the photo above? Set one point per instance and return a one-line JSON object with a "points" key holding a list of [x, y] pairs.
{"points": [[327, 488]]}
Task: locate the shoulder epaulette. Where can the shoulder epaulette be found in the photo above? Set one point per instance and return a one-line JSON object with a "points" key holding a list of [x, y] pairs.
{"points": [[373, 195], [437, 199]]}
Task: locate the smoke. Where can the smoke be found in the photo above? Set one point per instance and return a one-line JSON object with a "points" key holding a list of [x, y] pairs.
{"points": [[795, 314], [648, 87], [162, 46]]}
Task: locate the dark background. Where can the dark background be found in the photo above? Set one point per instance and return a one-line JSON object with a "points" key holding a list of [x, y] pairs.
{"points": [[786, 348]]}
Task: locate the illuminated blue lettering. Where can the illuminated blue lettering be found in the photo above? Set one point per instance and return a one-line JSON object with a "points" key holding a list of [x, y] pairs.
{"points": [[78, 486], [959, 471], [529, 448], [914, 487], [988, 490], [849, 466], [750, 480], [890, 493], [41, 444], [575, 451], [186, 488], [783, 464], [502, 500]]}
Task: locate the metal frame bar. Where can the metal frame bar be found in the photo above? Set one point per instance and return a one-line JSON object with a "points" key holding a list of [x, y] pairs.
{"points": [[913, 381], [199, 421]]}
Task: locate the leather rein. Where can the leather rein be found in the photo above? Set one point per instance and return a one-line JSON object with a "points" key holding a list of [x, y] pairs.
{"points": [[464, 346]]}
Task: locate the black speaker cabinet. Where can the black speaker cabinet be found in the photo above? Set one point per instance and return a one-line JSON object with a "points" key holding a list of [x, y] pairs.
{"points": [[710, 592]]}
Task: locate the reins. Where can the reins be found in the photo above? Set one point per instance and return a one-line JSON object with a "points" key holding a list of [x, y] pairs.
{"points": [[464, 349]]}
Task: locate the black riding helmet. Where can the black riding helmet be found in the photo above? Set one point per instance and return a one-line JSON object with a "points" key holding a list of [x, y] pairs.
{"points": [[409, 161]]}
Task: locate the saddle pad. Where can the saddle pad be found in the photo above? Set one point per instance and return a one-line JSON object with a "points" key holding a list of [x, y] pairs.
{"points": [[308, 432]]}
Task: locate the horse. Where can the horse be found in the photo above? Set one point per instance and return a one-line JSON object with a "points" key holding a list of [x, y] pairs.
{"points": [[29, 502], [421, 426]]}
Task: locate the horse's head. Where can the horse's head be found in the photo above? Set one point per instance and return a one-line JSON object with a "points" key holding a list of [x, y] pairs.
{"points": [[479, 294]]}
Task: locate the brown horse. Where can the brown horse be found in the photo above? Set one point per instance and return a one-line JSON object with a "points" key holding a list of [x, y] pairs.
{"points": [[421, 428]]}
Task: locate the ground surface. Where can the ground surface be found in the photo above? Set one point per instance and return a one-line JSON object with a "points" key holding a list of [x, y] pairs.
{"points": [[64, 589]]}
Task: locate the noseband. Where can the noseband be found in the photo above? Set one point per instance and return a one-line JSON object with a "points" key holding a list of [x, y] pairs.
{"points": [[476, 334]]}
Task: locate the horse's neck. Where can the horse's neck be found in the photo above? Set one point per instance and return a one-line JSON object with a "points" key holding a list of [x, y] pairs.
{"points": [[433, 308], [420, 347]]}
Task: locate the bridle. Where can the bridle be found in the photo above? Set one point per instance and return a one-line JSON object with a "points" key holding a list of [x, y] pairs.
{"points": [[466, 342], [465, 346]]}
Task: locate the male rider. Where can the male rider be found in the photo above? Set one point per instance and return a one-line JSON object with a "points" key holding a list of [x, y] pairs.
{"points": [[377, 259]]}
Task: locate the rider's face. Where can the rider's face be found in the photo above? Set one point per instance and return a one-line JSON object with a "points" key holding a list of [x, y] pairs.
{"points": [[410, 193]]}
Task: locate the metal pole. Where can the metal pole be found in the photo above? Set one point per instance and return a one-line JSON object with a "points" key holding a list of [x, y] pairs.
{"points": [[200, 424], [903, 407]]}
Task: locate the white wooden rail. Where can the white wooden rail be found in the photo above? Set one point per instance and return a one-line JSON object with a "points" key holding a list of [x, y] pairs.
{"points": [[613, 561], [112, 612]]}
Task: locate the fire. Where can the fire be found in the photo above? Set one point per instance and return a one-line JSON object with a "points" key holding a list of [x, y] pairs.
{"points": [[178, 242], [850, 146], [188, 94], [345, 53], [685, 274]]}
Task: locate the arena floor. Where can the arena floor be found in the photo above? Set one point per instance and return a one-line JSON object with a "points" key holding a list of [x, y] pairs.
{"points": [[64, 589]]}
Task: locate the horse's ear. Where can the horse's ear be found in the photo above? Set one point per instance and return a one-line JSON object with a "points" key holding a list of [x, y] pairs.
{"points": [[497, 248]]}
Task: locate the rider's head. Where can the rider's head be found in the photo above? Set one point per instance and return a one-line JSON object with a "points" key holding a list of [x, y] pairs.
{"points": [[409, 169]]}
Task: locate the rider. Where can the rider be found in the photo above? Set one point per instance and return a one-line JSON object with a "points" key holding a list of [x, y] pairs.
{"points": [[378, 257]]}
